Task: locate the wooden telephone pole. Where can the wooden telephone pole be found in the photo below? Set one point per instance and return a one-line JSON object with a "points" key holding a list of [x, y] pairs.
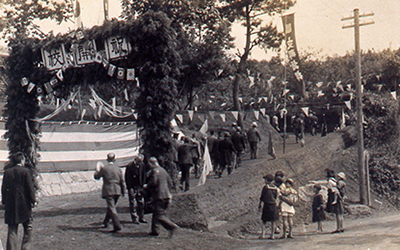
{"points": [[360, 137]]}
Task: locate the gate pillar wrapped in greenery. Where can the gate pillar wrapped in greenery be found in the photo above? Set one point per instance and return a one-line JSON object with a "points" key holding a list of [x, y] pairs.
{"points": [[90, 59]]}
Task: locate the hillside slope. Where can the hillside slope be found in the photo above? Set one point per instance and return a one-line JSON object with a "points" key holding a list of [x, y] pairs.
{"points": [[230, 204]]}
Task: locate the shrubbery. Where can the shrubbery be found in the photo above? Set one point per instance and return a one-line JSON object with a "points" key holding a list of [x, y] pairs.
{"points": [[381, 139]]}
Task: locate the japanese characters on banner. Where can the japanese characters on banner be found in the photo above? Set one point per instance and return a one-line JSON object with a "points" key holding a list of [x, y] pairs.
{"points": [[291, 47], [117, 47], [54, 58], [84, 52]]}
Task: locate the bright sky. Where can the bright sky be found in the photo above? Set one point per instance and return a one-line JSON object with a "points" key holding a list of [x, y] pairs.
{"points": [[318, 25]]}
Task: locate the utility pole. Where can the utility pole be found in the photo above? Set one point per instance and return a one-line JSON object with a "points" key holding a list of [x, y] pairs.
{"points": [[360, 137]]}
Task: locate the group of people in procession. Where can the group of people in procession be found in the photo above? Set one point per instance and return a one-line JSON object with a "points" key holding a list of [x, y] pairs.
{"points": [[148, 186], [278, 198]]}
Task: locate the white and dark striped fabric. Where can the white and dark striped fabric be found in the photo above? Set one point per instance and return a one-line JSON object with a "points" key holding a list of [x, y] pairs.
{"points": [[76, 146]]}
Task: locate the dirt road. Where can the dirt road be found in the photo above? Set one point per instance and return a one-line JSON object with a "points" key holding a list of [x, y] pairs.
{"points": [[74, 222]]}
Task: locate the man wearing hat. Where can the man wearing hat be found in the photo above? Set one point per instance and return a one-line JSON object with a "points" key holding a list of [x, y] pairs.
{"points": [[253, 136], [113, 188]]}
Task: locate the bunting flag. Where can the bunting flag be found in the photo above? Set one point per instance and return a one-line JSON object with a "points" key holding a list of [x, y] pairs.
{"points": [[208, 168], [285, 91], [204, 127], [348, 86], [320, 93], [137, 82], [135, 115], [284, 82], [130, 74], [120, 73], [235, 114], [111, 70], [212, 114], [190, 112], [265, 99], [305, 110], [291, 97], [24, 81], [173, 123], [126, 96], [31, 86], [262, 110], [98, 58], [394, 95], [260, 99], [256, 114], [348, 104], [219, 72], [240, 99], [251, 78], [340, 87], [319, 84], [223, 117], [179, 117]]}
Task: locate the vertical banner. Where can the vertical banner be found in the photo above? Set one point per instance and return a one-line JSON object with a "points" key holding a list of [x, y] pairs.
{"points": [[291, 47]]}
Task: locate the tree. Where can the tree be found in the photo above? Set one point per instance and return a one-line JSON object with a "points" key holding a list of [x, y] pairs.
{"points": [[202, 38], [249, 12], [19, 16]]}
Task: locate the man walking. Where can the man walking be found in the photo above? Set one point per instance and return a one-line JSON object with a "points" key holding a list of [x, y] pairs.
{"points": [[135, 178], [253, 136], [18, 197], [159, 186], [113, 188], [239, 142]]}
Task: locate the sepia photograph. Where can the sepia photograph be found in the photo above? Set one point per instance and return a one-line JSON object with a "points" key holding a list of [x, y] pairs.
{"points": [[199, 124]]}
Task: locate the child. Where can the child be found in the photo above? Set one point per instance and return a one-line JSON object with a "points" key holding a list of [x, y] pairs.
{"points": [[338, 206], [289, 198], [318, 207], [269, 197]]}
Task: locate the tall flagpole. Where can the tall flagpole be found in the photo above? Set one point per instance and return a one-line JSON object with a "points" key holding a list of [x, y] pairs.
{"points": [[105, 5]]}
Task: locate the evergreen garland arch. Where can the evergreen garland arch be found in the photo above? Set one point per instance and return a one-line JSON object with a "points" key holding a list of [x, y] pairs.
{"points": [[156, 62]]}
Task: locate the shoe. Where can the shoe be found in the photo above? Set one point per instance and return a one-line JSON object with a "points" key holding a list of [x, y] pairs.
{"points": [[135, 221], [153, 234], [142, 220], [116, 230], [105, 225], [336, 231], [341, 230]]}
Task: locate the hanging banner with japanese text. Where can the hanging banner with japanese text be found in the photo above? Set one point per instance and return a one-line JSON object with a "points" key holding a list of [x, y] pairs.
{"points": [[54, 58], [85, 52], [117, 47], [291, 47]]}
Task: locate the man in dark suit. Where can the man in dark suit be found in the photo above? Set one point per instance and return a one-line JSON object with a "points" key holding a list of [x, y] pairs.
{"points": [[18, 197], [135, 178], [239, 142], [226, 149], [113, 188], [253, 136], [185, 161], [159, 186]]}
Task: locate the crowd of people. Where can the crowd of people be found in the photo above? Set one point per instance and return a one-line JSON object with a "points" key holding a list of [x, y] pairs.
{"points": [[149, 186], [278, 199]]}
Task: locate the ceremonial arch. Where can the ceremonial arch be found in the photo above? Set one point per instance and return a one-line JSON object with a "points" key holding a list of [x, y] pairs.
{"points": [[132, 62]]}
